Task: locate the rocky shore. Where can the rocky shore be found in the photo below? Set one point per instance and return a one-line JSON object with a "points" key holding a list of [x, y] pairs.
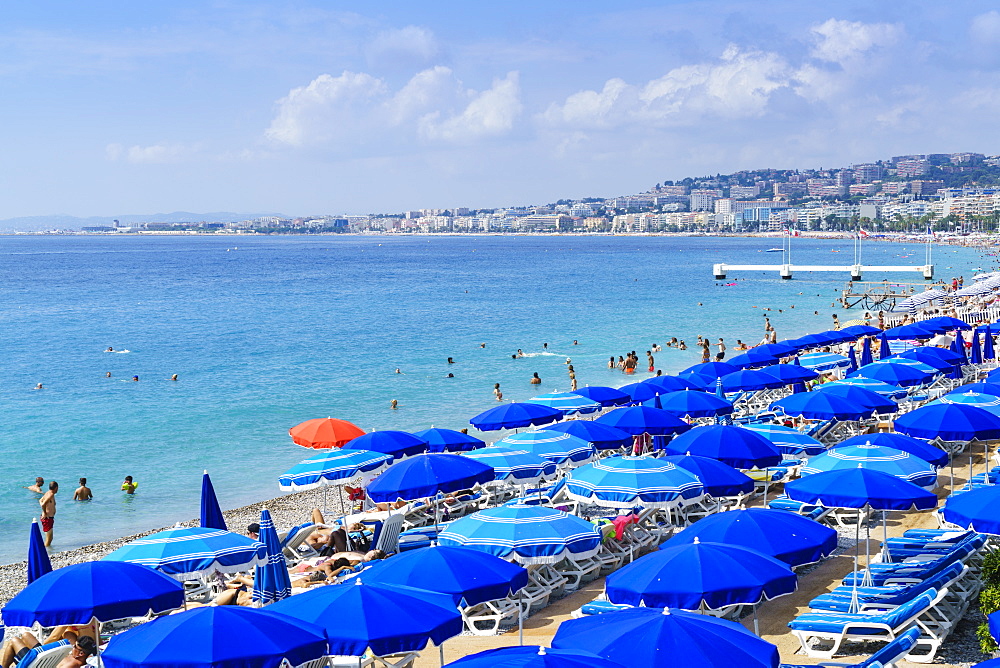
{"points": [[286, 511]]}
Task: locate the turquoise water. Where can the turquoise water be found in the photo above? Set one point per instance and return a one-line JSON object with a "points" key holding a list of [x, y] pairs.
{"points": [[267, 332]]}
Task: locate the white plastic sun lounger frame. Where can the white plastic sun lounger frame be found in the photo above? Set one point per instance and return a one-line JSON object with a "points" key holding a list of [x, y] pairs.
{"points": [[484, 619], [50, 658]]}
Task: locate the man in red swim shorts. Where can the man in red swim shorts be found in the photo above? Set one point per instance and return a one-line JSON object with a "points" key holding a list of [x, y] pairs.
{"points": [[48, 504]]}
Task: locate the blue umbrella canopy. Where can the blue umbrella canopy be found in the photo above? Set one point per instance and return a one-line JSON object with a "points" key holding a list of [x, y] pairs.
{"points": [[691, 403], [211, 512], [750, 379], [736, 446], [755, 357], [927, 452], [672, 383], [217, 637], [709, 370], [383, 618], [915, 330], [857, 331], [626, 482], [861, 396], [330, 467], [932, 366], [691, 575], [399, 444], [718, 479], [894, 374], [858, 488], [448, 440], [513, 465], [949, 422], [876, 457], [271, 581], [654, 638], [927, 353], [789, 373], [599, 435], [425, 475], [38, 557], [605, 396], [837, 336], [637, 420], [791, 538], [556, 446], [988, 402], [568, 403], [515, 416], [186, 554], [526, 534], [975, 510], [986, 387], [106, 590], [468, 576], [532, 656], [780, 349], [789, 441], [821, 406], [879, 387], [810, 341], [640, 392], [823, 361], [944, 323]]}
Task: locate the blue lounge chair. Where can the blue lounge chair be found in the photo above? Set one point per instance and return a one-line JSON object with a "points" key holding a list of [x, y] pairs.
{"points": [[881, 598], [884, 658]]}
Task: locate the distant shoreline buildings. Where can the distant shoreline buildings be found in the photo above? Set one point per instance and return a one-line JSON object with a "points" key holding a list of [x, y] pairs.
{"points": [[948, 192]]}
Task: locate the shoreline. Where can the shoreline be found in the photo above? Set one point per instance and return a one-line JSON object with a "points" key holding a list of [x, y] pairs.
{"points": [[286, 510]]}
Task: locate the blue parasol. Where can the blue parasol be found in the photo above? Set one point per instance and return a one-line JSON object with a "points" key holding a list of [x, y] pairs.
{"points": [[568, 403], [691, 403], [217, 637], [605, 396], [790, 373], [949, 422], [853, 359], [893, 392], [105, 590], [672, 383], [922, 449], [515, 416], [331, 467], [755, 357], [988, 352], [690, 576], [626, 482], [958, 347], [915, 330], [866, 352], [791, 538], [654, 638], [860, 488], [902, 375], [823, 361], [187, 554], [211, 513], [861, 396], [526, 534], [532, 656], [399, 444], [975, 352], [642, 392], [736, 446], [875, 457], [599, 435], [707, 371], [637, 420], [883, 347], [988, 402], [986, 387], [426, 475], [944, 323], [750, 380], [943, 357], [857, 331], [271, 581], [556, 446], [717, 478], [821, 406], [448, 440], [788, 440], [975, 510], [38, 557], [512, 465]]}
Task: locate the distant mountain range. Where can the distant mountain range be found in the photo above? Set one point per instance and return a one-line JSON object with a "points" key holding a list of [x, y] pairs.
{"points": [[64, 222]]}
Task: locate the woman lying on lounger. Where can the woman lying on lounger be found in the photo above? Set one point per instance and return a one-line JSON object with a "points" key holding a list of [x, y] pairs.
{"points": [[22, 652]]}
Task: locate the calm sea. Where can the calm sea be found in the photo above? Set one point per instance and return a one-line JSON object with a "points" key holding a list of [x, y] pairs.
{"points": [[267, 332]]}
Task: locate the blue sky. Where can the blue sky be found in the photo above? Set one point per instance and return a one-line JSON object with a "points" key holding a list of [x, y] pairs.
{"points": [[338, 107]]}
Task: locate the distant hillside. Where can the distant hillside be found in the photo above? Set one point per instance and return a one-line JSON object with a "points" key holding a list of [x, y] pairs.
{"points": [[64, 222]]}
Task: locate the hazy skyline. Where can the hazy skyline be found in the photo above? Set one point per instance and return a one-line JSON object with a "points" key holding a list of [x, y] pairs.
{"points": [[320, 107]]}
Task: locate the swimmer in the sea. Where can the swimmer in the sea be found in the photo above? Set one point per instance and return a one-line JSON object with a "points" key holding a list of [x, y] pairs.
{"points": [[110, 350], [135, 379], [482, 345], [39, 387], [398, 371], [451, 375], [394, 404], [496, 392], [575, 343], [545, 346], [107, 375], [451, 361], [611, 362], [173, 377], [520, 353], [535, 380]]}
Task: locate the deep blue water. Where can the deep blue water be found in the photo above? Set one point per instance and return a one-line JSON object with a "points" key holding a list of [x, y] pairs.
{"points": [[267, 332]]}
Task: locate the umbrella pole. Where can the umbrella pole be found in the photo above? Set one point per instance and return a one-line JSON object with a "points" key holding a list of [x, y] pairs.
{"points": [[868, 559], [756, 628], [441, 653], [520, 618], [767, 484], [340, 493], [855, 606], [885, 537]]}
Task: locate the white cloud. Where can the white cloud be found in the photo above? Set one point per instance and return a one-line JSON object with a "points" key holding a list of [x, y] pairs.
{"points": [[407, 46], [839, 41], [426, 91], [162, 153], [985, 28], [489, 113]]}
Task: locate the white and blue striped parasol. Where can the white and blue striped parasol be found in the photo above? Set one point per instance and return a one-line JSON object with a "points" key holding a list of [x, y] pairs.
{"points": [[186, 554], [331, 467], [877, 457], [556, 446], [988, 402], [271, 581], [567, 402], [526, 534], [513, 465], [627, 482], [824, 361], [788, 440]]}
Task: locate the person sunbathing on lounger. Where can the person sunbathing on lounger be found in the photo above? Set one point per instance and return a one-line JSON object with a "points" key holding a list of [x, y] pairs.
{"points": [[314, 571], [22, 652]]}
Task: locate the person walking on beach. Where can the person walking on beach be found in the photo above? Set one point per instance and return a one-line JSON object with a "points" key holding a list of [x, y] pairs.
{"points": [[128, 486], [48, 504], [38, 487], [83, 492]]}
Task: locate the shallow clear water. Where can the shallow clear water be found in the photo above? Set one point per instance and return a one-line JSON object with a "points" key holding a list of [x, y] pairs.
{"points": [[267, 332]]}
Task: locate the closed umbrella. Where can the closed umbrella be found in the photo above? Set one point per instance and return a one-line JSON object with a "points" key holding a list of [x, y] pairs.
{"points": [[736, 446], [599, 435], [788, 440], [532, 656], [188, 554], [934, 456], [852, 358], [654, 638], [38, 556], [556, 446], [569, 403], [217, 637], [399, 444], [821, 406], [605, 396], [691, 403], [627, 482], [321, 433], [958, 346], [717, 478], [526, 534], [448, 440], [876, 457], [791, 538], [271, 581], [426, 475], [101, 590], [883, 347], [515, 416], [988, 352], [866, 352], [211, 512], [975, 352], [638, 420], [515, 466]]}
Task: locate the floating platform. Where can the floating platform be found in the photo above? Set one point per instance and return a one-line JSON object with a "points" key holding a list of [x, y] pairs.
{"points": [[855, 270]]}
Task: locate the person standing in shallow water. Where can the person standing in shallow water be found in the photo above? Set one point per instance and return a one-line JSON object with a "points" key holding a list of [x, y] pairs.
{"points": [[496, 392], [535, 380]]}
